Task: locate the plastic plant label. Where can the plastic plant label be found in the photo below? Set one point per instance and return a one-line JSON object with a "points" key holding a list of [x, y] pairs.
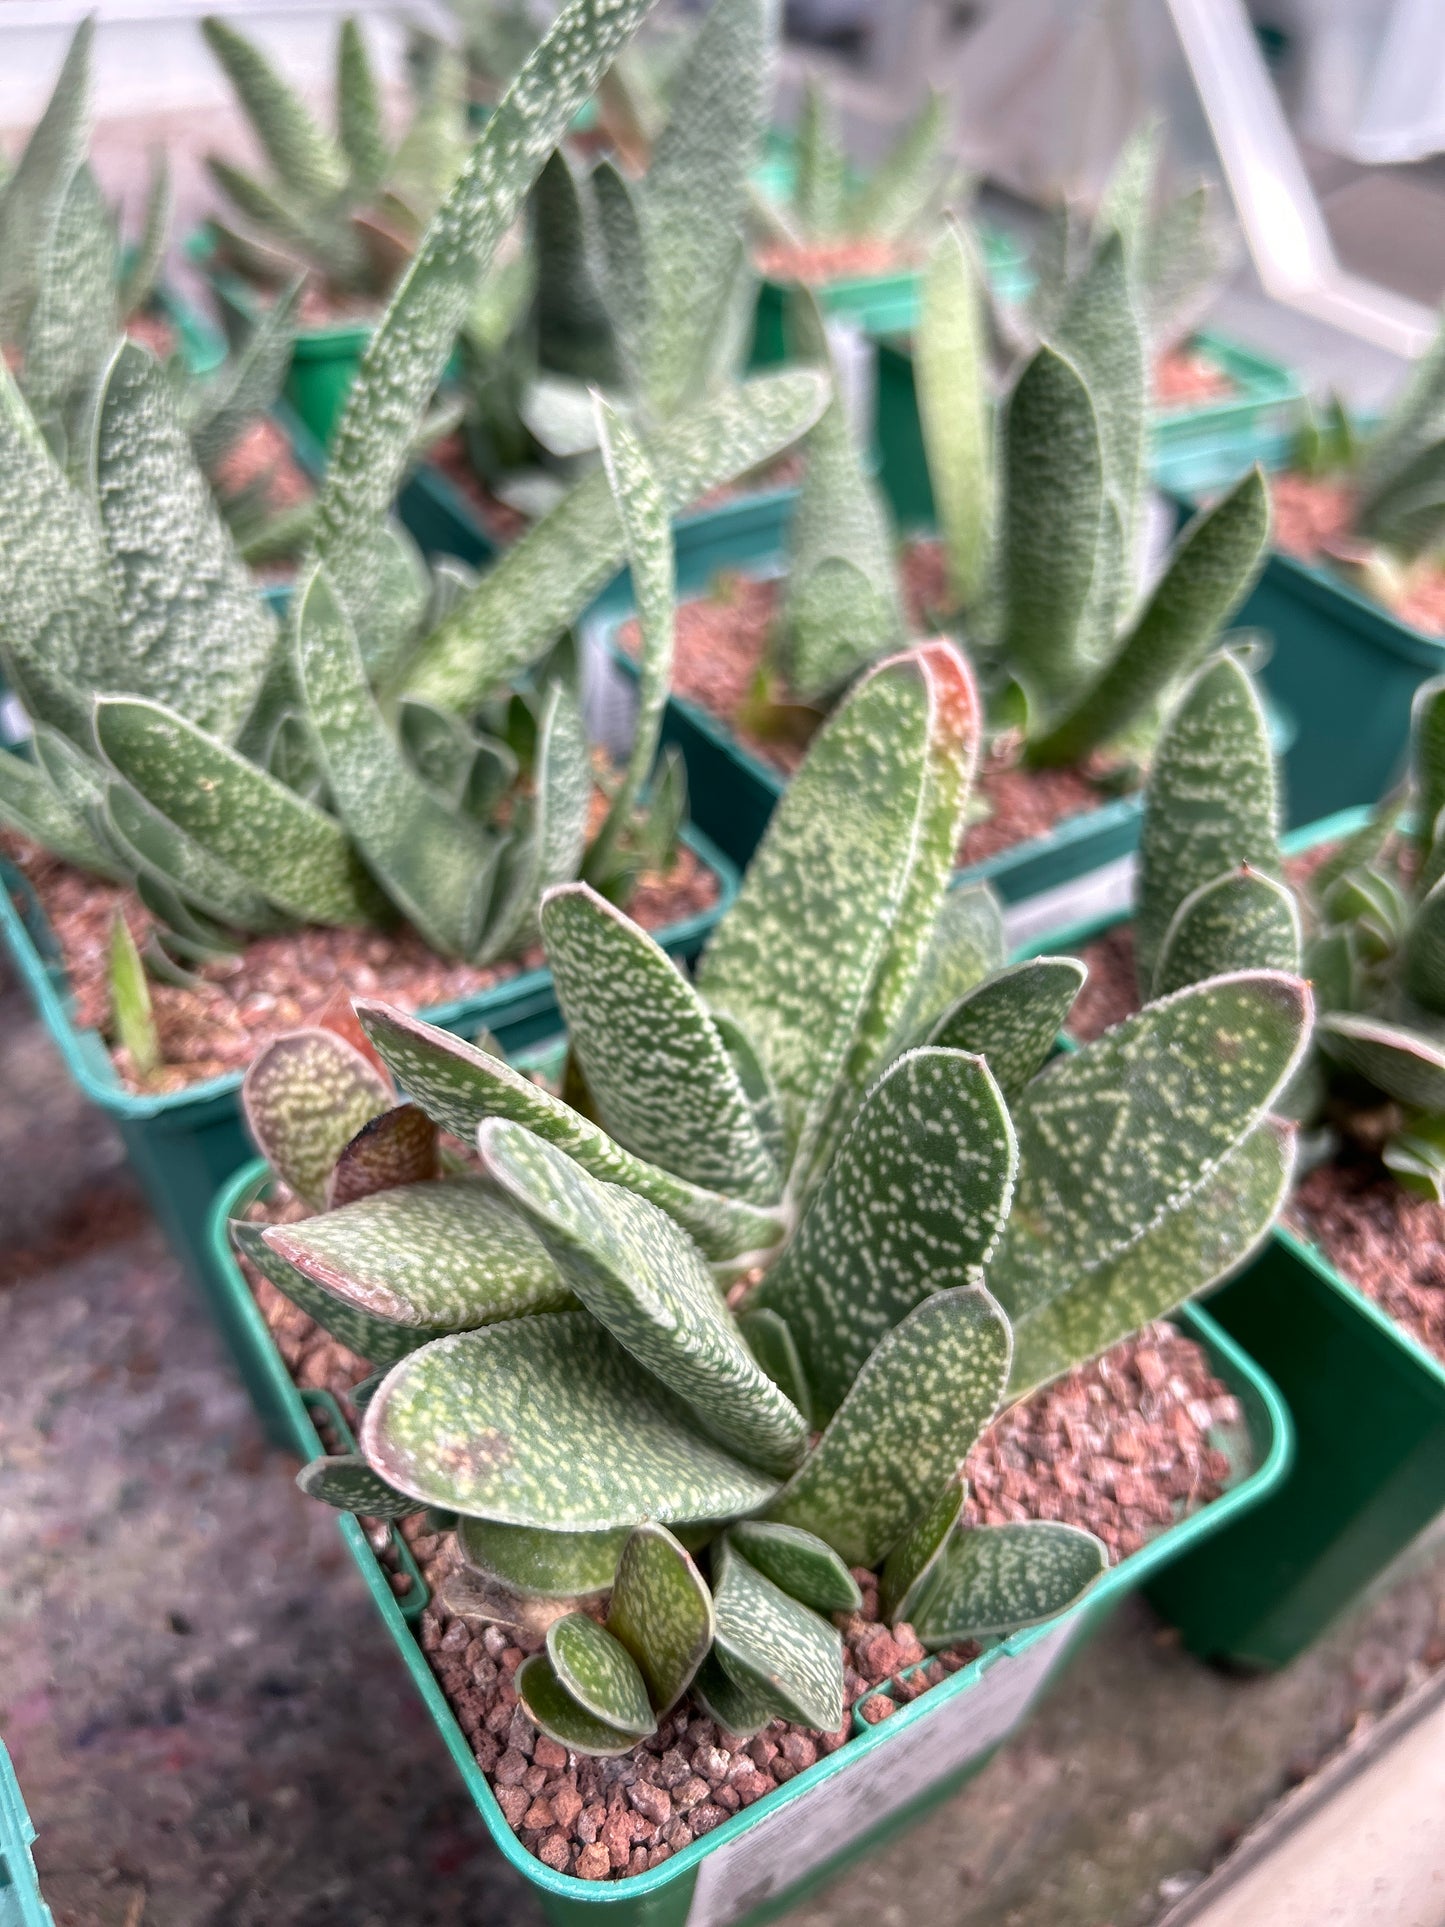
{"points": [[803, 1835]]}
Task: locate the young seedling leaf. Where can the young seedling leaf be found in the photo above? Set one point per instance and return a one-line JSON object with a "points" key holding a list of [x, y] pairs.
{"points": [[771, 1644], [130, 1000], [912, 1566], [305, 1096], [557, 1565], [552, 1709], [348, 1483], [951, 371], [1014, 1018], [600, 1674], [1242, 921], [661, 1611], [802, 1565], [997, 1579]]}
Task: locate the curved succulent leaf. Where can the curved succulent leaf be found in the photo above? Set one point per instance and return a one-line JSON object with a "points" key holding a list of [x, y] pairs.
{"points": [[548, 1422], [31, 197], [554, 1565], [661, 1611], [966, 946], [1212, 801], [951, 371], [398, 1147], [302, 153], [459, 1086], [643, 1278], [774, 1347], [348, 1483], [152, 845], [1427, 765], [359, 124], [1099, 330], [552, 850], [771, 1644], [31, 804], [1243, 921], [661, 1079], [73, 322], [803, 1566], [816, 957], [546, 579], [275, 841], [1013, 1019], [600, 1674], [997, 1579], [912, 1565], [1118, 1135], [1192, 1247], [305, 1096], [1403, 1063], [912, 1204], [249, 383], [821, 164], [622, 266], [147, 258], [379, 1344], [552, 1709], [907, 181], [1424, 959], [906, 1426], [738, 1710]]}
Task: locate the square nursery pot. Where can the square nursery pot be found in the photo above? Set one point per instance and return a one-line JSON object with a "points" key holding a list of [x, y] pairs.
{"points": [[1191, 449], [767, 1856], [1346, 670], [182, 1144], [20, 1901], [1368, 1405]]}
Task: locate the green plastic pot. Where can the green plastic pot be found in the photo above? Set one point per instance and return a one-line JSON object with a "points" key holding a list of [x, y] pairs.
{"points": [[1368, 1404], [182, 1144], [767, 1857], [1189, 448], [20, 1901]]}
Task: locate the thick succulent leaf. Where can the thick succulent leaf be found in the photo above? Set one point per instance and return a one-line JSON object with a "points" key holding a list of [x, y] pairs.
{"points": [[556, 1565], [1416, 1159], [148, 256], [1415, 423], [31, 804], [1188, 253], [192, 631], [1209, 573], [398, 1147], [132, 1019], [621, 265], [359, 123], [821, 162], [250, 382], [275, 841], [661, 1611], [967, 945], [571, 323], [348, 1483], [767, 1112], [802, 1565], [459, 1086], [996, 1579], [303, 155], [31, 197], [772, 1644], [552, 1709], [548, 1422], [599, 1673], [73, 323], [739, 1710], [378, 1343], [409, 350], [154, 847], [436, 1257], [1128, 193], [1192, 1247], [643, 1278], [1099, 331], [912, 1204], [905, 1428], [305, 1096], [1427, 762], [1052, 500], [1243, 921], [552, 851], [907, 181], [546, 578], [912, 1565], [1424, 959], [772, 1344], [435, 863], [694, 197], [951, 370], [1212, 801], [817, 955], [1116, 1136], [1014, 1018], [662, 1081], [1403, 1063]]}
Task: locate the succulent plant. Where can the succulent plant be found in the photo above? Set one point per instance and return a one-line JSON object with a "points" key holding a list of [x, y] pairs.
{"points": [[1040, 508], [899, 201], [346, 206], [243, 775], [812, 1223]]}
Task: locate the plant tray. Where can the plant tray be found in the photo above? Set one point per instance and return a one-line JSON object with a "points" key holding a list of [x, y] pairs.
{"points": [[20, 1901]]}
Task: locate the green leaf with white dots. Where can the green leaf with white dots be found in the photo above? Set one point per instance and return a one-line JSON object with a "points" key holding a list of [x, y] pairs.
{"points": [[1116, 1136], [550, 1565], [739, 1710], [152, 845], [552, 1709], [1211, 803], [643, 1278], [661, 1611], [912, 1565], [348, 1483], [73, 324], [997, 1579], [377, 1343], [816, 957], [459, 1086], [1194, 1246], [31, 804], [967, 945], [1403, 1063], [1014, 1018], [661, 1077], [192, 632], [771, 1644], [305, 158], [275, 841], [776, 1350], [305, 1096], [912, 1204], [905, 1428], [552, 850], [1242, 921], [600, 1674], [443, 1256], [548, 1422], [804, 1566], [32, 194], [951, 370]]}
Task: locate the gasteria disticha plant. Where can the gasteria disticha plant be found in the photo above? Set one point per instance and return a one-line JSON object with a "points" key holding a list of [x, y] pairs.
{"points": [[682, 1354]]}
